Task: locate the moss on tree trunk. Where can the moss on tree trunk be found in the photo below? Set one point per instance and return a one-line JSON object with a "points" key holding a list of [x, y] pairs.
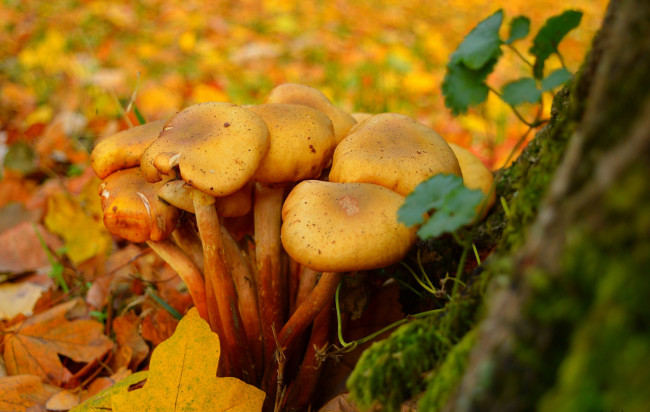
{"points": [[558, 320]]}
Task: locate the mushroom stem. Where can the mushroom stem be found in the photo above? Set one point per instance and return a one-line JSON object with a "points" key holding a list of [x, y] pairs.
{"points": [[304, 315], [247, 293], [304, 385], [308, 279], [267, 221], [188, 240], [217, 272], [186, 269], [319, 298]]}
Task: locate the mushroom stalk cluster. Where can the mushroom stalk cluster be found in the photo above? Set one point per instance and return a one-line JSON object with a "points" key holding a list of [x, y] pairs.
{"points": [[178, 184]]}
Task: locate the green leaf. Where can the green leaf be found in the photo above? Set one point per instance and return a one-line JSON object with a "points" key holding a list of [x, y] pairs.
{"points": [[481, 45], [521, 91], [519, 28], [21, 157], [454, 205], [463, 87], [555, 79], [549, 36]]}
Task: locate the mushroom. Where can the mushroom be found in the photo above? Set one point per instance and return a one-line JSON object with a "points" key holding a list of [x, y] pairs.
{"points": [[476, 176], [134, 212], [217, 147], [301, 145], [124, 149], [308, 96], [339, 227], [392, 150]]}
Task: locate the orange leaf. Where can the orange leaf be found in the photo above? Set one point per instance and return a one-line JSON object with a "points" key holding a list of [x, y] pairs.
{"points": [[33, 346], [127, 336], [182, 376], [18, 393]]}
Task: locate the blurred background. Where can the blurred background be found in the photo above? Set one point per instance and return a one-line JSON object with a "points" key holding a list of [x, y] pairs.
{"points": [[69, 68]]}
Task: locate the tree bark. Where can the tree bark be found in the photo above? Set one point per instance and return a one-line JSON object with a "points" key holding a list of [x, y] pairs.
{"points": [[569, 328]]}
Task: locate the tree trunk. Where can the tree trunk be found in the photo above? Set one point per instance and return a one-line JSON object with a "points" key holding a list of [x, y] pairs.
{"points": [[568, 328], [558, 317]]}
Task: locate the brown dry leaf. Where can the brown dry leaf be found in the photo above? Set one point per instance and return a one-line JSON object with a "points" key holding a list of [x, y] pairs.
{"points": [[127, 335], [18, 298], [341, 403], [158, 326], [182, 376], [121, 265], [21, 250], [62, 401], [20, 392], [33, 346]]}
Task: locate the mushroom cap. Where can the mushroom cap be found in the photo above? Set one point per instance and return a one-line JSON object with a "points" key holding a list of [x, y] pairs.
{"points": [[301, 142], [392, 150], [123, 149], [178, 193], [475, 174], [217, 147], [339, 227], [308, 96], [132, 208], [361, 116]]}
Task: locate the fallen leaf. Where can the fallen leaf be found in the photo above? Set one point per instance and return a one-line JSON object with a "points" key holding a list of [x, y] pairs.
{"points": [[21, 250], [20, 392], [62, 401], [102, 401], [33, 347], [18, 298], [84, 236], [158, 326], [127, 335], [182, 376]]}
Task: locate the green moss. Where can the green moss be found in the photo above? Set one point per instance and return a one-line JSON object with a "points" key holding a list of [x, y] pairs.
{"points": [[390, 371], [604, 367], [444, 379]]}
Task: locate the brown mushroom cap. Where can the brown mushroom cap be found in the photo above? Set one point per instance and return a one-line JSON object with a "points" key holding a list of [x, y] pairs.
{"points": [[392, 150], [123, 149], [217, 147], [301, 142], [338, 227], [308, 96], [178, 194], [132, 209], [475, 174]]}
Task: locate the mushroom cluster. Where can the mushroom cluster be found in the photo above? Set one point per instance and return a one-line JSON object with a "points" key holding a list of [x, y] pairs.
{"points": [[261, 209]]}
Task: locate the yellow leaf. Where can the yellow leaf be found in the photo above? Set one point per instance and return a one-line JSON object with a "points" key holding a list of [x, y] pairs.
{"points": [[84, 234], [182, 376]]}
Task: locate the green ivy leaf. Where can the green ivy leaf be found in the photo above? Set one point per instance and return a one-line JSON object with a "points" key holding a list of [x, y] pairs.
{"points": [[481, 45], [555, 79], [463, 87], [521, 91], [519, 28], [549, 36], [454, 205]]}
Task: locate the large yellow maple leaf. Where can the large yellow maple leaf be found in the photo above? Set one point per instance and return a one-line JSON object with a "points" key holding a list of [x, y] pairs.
{"points": [[182, 376]]}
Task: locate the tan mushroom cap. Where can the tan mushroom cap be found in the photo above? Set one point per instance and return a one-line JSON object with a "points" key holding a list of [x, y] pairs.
{"points": [[132, 209], [179, 194], [123, 149], [339, 227], [217, 147], [301, 142], [308, 96], [475, 174], [361, 116], [392, 150]]}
